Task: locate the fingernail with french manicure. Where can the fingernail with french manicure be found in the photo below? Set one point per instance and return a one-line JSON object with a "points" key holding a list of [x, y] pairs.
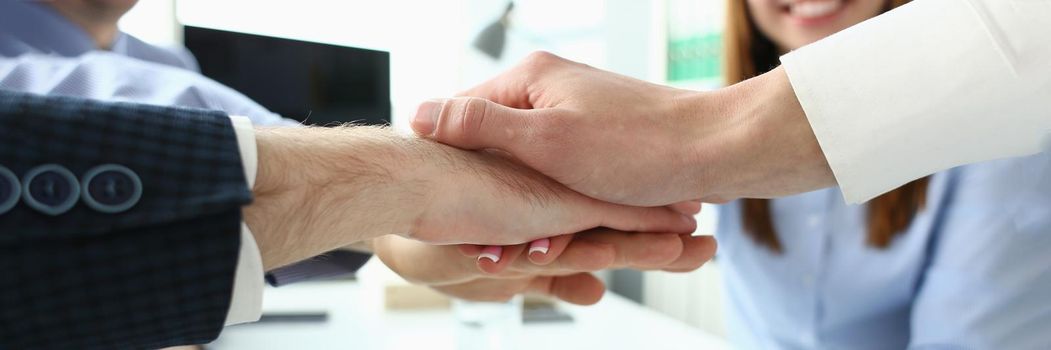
{"points": [[492, 253], [540, 246]]}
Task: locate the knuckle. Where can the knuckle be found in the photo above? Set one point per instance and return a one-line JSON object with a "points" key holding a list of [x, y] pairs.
{"points": [[541, 58], [537, 63], [475, 112]]}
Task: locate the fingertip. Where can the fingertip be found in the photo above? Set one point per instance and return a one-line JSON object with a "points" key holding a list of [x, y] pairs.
{"points": [[673, 222], [540, 246], [708, 245], [595, 298], [538, 250], [697, 251], [557, 246], [489, 267], [676, 223], [489, 259], [425, 122], [469, 250], [652, 219], [497, 259], [580, 289], [690, 224]]}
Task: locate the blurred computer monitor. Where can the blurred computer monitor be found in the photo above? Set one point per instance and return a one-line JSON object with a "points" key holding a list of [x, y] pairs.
{"points": [[315, 83]]}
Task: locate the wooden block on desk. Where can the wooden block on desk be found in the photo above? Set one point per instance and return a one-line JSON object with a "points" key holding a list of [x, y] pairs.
{"points": [[413, 297], [538, 301]]}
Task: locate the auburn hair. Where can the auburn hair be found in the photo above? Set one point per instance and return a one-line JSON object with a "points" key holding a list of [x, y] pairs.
{"points": [[747, 53]]}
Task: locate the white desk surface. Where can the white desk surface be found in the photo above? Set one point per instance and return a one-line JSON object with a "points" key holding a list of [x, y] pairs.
{"points": [[357, 320]]}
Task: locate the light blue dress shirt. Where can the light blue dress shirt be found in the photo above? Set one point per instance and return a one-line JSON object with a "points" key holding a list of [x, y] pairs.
{"points": [[42, 52], [973, 271]]}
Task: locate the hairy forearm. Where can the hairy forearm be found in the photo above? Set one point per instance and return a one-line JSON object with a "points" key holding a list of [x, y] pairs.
{"points": [[319, 189], [322, 189], [366, 246]]}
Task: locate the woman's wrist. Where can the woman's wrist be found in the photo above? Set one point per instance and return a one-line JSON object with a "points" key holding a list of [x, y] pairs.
{"points": [[753, 140], [780, 154], [713, 137]]}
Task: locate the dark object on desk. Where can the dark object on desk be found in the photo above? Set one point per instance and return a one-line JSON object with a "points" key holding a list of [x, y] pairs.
{"points": [[331, 265], [318, 84], [294, 317], [185, 347]]}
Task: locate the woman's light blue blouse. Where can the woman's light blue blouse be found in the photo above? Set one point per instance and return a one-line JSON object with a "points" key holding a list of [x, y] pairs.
{"points": [[973, 271]]}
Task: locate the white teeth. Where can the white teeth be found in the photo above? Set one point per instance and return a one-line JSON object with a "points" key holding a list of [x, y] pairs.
{"points": [[814, 9]]}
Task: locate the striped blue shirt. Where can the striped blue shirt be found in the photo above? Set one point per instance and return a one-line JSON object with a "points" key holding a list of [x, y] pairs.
{"points": [[42, 52]]}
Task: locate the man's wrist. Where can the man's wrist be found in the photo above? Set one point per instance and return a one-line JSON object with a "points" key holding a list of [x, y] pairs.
{"points": [[319, 189]]}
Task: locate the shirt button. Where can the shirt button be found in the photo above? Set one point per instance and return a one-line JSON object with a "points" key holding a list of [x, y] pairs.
{"points": [[10, 190], [111, 188], [50, 189]]}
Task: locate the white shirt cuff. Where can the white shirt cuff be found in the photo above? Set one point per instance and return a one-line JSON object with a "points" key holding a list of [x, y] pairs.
{"points": [[246, 304]]}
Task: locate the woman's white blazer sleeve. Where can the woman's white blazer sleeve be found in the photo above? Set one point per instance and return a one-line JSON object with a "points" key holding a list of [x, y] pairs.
{"points": [[925, 87]]}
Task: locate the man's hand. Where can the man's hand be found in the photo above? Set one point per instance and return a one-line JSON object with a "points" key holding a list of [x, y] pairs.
{"points": [[627, 141], [563, 272], [319, 189]]}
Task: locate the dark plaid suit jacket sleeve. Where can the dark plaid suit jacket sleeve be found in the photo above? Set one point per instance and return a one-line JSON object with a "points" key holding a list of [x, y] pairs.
{"points": [[110, 270]]}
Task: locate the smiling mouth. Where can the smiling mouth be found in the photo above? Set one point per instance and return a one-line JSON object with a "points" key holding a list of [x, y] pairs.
{"points": [[809, 10]]}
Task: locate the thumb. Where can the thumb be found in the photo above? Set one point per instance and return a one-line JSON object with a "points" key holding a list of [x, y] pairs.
{"points": [[473, 123]]}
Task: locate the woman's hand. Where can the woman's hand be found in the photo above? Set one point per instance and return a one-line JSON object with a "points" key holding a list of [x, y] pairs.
{"points": [[627, 141], [562, 272]]}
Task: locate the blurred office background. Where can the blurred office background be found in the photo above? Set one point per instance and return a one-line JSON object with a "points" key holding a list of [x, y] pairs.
{"points": [[437, 48]]}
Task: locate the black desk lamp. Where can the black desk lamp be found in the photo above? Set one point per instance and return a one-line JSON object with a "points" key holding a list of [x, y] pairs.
{"points": [[491, 40]]}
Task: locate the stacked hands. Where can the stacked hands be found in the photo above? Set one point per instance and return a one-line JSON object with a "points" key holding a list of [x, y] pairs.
{"points": [[506, 118], [529, 182]]}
